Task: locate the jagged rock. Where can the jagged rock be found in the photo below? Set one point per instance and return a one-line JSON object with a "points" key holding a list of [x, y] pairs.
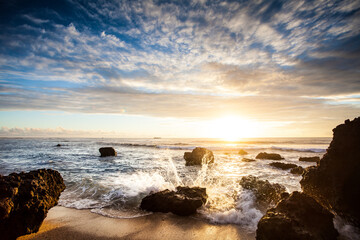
{"points": [[199, 156], [107, 151], [242, 152], [183, 202], [335, 181], [264, 191], [25, 199], [247, 160], [309, 159], [297, 217], [283, 166], [269, 156], [297, 170]]}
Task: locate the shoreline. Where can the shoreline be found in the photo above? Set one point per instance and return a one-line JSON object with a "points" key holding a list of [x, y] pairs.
{"points": [[68, 223]]}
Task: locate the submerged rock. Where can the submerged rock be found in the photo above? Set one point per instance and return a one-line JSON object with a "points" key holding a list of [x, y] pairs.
{"points": [[269, 156], [242, 152], [107, 151], [297, 170], [247, 160], [25, 199], [264, 191], [297, 217], [183, 202], [58, 145], [283, 166], [199, 156], [309, 159], [335, 181]]}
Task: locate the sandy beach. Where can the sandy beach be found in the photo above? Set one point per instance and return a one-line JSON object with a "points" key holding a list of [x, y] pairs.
{"points": [[67, 223]]}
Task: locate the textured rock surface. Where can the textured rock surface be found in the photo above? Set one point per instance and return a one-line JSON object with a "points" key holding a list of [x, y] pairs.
{"points": [[199, 156], [269, 156], [183, 202], [297, 217], [25, 199], [335, 181], [263, 189], [297, 170], [107, 151], [309, 159]]}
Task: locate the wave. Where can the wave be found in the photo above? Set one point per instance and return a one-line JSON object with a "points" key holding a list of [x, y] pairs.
{"points": [[288, 149]]}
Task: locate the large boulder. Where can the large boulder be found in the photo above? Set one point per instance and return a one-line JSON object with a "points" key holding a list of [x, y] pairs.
{"points": [[107, 151], [199, 156], [25, 199], [297, 217], [269, 156], [335, 181], [264, 191], [309, 159], [242, 152], [183, 202]]}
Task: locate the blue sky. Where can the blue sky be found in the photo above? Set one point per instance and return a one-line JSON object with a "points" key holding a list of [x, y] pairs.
{"points": [[145, 68]]}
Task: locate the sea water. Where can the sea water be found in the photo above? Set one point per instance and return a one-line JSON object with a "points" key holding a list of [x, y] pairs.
{"points": [[114, 186]]}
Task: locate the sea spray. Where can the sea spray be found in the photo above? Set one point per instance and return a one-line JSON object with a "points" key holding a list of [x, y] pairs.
{"points": [[173, 172]]}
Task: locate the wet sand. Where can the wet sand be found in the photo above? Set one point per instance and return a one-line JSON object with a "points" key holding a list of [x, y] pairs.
{"points": [[66, 223]]}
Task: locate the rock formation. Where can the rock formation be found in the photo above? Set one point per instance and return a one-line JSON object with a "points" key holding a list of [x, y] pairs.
{"points": [[269, 156], [264, 191], [335, 181], [297, 170], [25, 199], [107, 151], [183, 202], [242, 152], [247, 160], [199, 156], [297, 217], [283, 166], [309, 159]]}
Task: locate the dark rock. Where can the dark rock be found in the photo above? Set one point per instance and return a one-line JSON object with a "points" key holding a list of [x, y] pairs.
{"points": [[58, 145], [297, 170], [269, 156], [247, 160], [199, 156], [297, 217], [283, 166], [264, 191], [335, 181], [107, 151], [309, 159], [25, 199], [183, 202], [242, 152]]}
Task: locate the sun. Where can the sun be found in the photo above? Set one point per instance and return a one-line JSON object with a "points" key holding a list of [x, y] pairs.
{"points": [[233, 128]]}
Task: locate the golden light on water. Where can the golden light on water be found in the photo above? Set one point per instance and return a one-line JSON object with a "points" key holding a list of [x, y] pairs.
{"points": [[233, 128]]}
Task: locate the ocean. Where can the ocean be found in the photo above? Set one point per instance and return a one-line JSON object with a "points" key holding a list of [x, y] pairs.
{"points": [[114, 186]]}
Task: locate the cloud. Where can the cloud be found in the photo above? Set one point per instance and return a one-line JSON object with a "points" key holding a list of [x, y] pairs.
{"points": [[182, 59]]}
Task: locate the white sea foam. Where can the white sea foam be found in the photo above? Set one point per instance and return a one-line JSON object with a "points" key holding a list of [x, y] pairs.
{"points": [[245, 212], [346, 230]]}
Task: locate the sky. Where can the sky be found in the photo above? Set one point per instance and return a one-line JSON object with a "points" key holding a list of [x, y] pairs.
{"points": [[178, 68]]}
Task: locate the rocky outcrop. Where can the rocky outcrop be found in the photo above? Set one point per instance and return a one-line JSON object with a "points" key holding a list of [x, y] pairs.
{"points": [[297, 217], [309, 159], [269, 156], [297, 170], [107, 151], [264, 191], [335, 181], [283, 166], [294, 169], [247, 160], [242, 152], [199, 156], [183, 202], [25, 199]]}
